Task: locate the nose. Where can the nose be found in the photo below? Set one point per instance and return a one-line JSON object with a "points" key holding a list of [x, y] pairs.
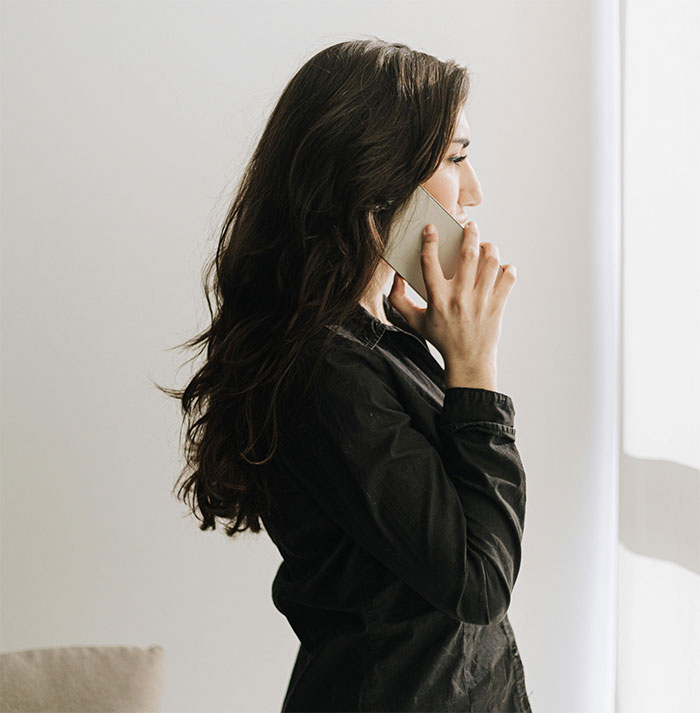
{"points": [[471, 193]]}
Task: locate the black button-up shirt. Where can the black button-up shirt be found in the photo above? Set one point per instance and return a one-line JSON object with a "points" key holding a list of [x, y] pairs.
{"points": [[398, 510]]}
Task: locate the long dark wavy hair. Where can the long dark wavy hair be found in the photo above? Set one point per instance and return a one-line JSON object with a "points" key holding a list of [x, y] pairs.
{"points": [[354, 132]]}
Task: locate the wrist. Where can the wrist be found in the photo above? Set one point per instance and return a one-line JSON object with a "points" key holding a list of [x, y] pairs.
{"points": [[480, 376]]}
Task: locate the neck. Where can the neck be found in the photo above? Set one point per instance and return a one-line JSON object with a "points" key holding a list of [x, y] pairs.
{"points": [[372, 300]]}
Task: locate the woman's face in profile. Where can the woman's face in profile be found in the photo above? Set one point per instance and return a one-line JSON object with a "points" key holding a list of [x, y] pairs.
{"points": [[454, 185]]}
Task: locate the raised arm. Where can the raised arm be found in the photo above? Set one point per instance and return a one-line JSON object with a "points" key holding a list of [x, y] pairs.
{"points": [[449, 523]]}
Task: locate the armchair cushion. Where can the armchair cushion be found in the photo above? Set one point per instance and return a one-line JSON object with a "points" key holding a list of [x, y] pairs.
{"points": [[77, 679]]}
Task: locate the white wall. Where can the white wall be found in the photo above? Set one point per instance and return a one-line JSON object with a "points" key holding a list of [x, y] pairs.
{"points": [[124, 127]]}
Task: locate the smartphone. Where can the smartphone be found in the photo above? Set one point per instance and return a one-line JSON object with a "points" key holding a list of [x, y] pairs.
{"points": [[405, 239]]}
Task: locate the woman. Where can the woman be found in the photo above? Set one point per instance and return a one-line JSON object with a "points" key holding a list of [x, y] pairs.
{"points": [[392, 488]]}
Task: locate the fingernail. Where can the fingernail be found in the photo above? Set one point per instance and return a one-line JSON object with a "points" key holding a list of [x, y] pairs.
{"points": [[428, 229]]}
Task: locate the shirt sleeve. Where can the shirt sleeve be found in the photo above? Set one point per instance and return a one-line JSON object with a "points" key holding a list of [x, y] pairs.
{"points": [[448, 522]]}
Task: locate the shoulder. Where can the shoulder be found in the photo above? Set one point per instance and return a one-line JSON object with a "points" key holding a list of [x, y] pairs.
{"points": [[339, 348], [334, 370]]}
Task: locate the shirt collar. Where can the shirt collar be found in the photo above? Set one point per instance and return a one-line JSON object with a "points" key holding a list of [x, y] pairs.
{"points": [[368, 329]]}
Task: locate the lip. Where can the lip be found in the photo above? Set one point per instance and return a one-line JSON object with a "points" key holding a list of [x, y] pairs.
{"points": [[462, 218]]}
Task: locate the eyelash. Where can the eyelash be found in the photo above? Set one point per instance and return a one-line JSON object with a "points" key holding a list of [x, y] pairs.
{"points": [[458, 160]]}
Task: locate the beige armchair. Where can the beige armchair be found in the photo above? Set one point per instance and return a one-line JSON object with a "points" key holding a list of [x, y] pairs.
{"points": [[77, 679]]}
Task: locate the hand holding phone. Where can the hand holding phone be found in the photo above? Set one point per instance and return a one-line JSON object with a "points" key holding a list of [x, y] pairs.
{"points": [[404, 241], [465, 298]]}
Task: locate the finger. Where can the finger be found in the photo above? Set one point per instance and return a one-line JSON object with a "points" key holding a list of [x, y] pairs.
{"points": [[397, 298], [433, 276], [490, 269], [506, 279], [469, 256]]}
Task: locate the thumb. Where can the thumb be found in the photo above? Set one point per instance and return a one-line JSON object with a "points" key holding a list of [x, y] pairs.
{"points": [[398, 299]]}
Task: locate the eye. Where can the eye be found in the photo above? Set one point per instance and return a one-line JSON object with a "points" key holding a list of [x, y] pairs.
{"points": [[458, 159]]}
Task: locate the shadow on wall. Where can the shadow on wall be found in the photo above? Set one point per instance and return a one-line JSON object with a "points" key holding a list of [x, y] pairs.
{"points": [[657, 510]]}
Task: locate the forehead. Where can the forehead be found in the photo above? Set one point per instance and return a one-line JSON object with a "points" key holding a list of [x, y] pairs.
{"points": [[462, 126]]}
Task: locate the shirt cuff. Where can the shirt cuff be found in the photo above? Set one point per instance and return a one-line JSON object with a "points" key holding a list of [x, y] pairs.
{"points": [[464, 405]]}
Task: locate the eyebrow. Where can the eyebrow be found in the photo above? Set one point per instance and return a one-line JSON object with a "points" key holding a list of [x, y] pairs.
{"points": [[463, 141]]}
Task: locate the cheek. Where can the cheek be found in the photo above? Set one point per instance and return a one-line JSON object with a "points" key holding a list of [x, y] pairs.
{"points": [[444, 185]]}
